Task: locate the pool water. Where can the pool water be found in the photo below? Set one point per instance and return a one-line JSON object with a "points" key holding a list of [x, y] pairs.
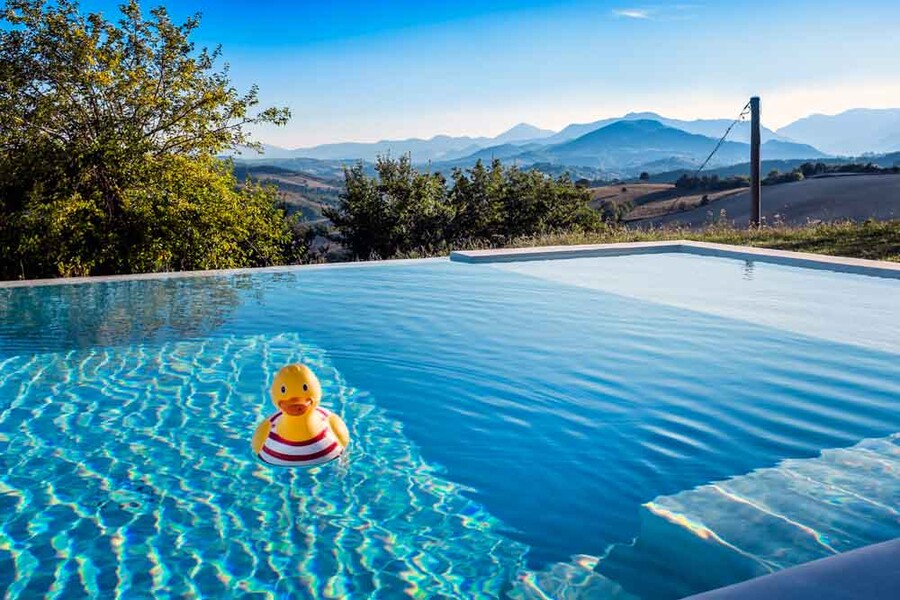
{"points": [[510, 421]]}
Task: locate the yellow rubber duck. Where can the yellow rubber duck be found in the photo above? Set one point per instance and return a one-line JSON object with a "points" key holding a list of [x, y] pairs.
{"points": [[301, 433]]}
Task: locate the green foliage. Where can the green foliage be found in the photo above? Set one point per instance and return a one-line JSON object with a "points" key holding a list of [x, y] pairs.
{"points": [[108, 133], [712, 183], [402, 211], [645, 176]]}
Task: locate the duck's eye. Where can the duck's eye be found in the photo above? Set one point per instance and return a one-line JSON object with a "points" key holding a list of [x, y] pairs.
{"points": [[283, 389], [305, 387]]}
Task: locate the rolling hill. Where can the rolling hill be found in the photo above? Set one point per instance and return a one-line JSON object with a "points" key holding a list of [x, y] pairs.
{"points": [[782, 165], [854, 197], [301, 192]]}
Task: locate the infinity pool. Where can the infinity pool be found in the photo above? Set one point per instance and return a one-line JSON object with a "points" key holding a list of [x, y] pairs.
{"points": [[527, 429]]}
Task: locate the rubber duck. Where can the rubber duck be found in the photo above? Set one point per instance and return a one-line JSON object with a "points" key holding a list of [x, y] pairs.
{"points": [[301, 433]]}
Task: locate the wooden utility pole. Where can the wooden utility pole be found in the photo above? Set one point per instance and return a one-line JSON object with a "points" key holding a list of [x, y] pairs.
{"points": [[755, 183]]}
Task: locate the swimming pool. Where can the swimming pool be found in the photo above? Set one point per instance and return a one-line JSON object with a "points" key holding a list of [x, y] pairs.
{"points": [[520, 428]]}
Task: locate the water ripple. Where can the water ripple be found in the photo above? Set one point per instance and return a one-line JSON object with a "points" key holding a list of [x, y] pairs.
{"points": [[134, 477]]}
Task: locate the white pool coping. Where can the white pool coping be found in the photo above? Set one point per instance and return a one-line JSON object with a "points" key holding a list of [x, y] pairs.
{"points": [[19, 283], [877, 268]]}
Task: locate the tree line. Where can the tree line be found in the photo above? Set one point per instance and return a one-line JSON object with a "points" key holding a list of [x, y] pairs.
{"points": [[810, 169], [712, 183]]}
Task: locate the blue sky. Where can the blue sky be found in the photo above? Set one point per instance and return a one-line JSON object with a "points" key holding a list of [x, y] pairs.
{"points": [[365, 71]]}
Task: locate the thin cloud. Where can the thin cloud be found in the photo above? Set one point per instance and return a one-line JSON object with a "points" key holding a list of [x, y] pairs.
{"points": [[632, 13], [668, 12]]}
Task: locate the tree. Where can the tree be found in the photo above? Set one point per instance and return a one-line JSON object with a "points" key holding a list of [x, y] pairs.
{"points": [[108, 138], [398, 212], [645, 176], [476, 202], [402, 211]]}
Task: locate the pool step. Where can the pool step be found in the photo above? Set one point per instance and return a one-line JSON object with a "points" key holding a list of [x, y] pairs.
{"points": [[767, 520], [573, 580]]}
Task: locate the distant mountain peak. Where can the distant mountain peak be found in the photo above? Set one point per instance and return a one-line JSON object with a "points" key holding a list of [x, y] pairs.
{"points": [[644, 115], [636, 125], [521, 132]]}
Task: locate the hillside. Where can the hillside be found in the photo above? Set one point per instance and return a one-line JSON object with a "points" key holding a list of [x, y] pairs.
{"points": [[854, 197], [635, 201], [783, 165], [331, 171], [299, 191]]}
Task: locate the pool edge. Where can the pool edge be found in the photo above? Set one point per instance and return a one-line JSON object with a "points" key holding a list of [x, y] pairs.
{"points": [[49, 281], [878, 268], [861, 266]]}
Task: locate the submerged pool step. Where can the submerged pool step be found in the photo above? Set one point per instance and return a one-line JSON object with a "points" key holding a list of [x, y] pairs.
{"points": [[575, 580], [767, 520]]}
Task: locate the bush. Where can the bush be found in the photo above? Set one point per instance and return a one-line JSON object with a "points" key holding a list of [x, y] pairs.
{"points": [[776, 177]]}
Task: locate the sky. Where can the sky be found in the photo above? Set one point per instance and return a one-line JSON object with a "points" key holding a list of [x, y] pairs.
{"points": [[366, 71]]}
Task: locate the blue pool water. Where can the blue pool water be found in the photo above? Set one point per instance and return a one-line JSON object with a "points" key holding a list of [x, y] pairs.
{"points": [[509, 423]]}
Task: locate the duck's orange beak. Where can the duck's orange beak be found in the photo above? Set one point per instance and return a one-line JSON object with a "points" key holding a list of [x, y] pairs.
{"points": [[295, 406]]}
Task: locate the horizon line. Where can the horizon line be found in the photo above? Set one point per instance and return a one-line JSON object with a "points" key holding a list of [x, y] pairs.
{"points": [[553, 130]]}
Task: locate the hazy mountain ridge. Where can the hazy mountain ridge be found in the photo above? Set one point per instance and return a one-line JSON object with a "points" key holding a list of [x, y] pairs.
{"points": [[853, 132], [708, 127], [625, 147], [633, 145], [439, 147]]}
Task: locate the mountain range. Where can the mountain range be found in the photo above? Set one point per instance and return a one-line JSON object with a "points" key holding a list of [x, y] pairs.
{"points": [[850, 133], [439, 147], [625, 145], [629, 146], [708, 127]]}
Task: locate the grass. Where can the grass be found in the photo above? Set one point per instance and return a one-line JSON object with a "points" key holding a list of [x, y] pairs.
{"points": [[678, 203], [876, 240], [648, 200]]}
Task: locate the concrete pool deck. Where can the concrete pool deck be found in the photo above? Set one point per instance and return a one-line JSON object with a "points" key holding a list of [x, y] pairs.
{"points": [[860, 266]]}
